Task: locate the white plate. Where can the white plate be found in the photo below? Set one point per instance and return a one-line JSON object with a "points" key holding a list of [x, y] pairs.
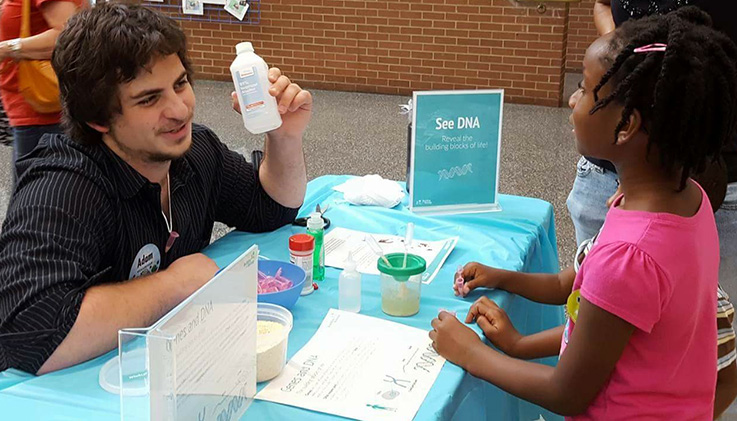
{"points": [[137, 385]]}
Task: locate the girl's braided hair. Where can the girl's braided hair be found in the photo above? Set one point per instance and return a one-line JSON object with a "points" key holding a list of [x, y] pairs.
{"points": [[687, 95]]}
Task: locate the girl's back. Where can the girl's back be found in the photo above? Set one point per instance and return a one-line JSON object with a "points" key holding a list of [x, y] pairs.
{"points": [[658, 272]]}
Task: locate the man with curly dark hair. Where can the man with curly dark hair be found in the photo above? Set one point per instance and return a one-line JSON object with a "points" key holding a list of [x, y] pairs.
{"points": [[106, 224]]}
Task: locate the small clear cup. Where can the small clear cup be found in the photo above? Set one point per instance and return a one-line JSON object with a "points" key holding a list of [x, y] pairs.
{"points": [[401, 284]]}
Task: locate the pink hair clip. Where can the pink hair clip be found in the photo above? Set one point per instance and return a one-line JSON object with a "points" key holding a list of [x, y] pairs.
{"points": [[650, 48]]}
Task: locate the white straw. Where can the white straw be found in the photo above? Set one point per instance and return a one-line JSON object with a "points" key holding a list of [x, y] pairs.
{"points": [[373, 245], [408, 241]]}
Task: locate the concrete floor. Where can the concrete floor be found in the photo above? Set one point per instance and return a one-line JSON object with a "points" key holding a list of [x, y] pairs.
{"points": [[356, 133]]}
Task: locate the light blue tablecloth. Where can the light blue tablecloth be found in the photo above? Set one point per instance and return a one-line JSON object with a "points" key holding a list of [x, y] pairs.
{"points": [[520, 237]]}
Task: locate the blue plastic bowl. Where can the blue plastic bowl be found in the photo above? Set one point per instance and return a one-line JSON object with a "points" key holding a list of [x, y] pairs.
{"points": [[288, 297]]}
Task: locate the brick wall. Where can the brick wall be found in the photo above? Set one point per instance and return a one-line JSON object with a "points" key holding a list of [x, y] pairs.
{"points": [[399, 46], [581, 33]]}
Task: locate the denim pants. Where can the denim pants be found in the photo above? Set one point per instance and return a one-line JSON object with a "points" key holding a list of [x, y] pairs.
{"points": [[587, 200], [726, 218], [587, 206], [25, 138]]}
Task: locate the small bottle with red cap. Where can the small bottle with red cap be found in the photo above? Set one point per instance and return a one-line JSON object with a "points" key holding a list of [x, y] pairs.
{"points": [[301, 253]]}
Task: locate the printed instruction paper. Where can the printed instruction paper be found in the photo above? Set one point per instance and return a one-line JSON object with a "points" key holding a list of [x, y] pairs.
{"points": [[340, 241], [359, 367]]}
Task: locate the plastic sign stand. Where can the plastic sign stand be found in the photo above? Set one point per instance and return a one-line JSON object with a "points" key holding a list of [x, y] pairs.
{"points": [[198, 362]]}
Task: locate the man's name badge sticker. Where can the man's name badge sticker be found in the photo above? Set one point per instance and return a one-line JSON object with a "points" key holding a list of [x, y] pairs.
{"points": [[146, 262]]}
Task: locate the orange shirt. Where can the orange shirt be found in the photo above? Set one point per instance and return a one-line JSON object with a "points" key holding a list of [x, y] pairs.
{"points": [[19, 112]]}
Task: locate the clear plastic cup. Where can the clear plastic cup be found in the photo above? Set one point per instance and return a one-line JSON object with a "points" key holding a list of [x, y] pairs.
{"points": [[274, 324], [401, 284]]}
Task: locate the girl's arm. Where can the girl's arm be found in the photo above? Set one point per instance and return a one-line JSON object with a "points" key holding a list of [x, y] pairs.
{"points": [[540, 345], [546, 288], [594, 348], [497, 327]]}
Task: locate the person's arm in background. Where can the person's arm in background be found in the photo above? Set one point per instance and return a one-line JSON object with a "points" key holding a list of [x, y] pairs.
{"points": [[40, 47], [726, 389], [603, 16]]}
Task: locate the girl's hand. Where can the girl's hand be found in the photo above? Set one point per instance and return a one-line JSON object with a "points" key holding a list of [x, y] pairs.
{"points": [[476, 275], [452, 339], [495, 324]]}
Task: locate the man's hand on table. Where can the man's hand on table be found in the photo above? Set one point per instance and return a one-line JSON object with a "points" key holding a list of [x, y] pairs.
{"points": [[453, 340], [495, 324], [109, 307], [476, 275], [193, 270]]}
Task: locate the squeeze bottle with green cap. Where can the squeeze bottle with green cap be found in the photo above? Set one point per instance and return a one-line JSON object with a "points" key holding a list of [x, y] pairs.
{"points": [[349, 287], [316, 228], [251, 78]]}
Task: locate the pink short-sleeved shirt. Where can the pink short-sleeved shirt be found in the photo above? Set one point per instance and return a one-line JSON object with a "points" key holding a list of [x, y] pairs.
{"points": [[658, 272]]}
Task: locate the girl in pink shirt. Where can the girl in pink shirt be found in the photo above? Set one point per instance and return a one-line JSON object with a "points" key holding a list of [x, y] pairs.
{"points": [[658, 99]]}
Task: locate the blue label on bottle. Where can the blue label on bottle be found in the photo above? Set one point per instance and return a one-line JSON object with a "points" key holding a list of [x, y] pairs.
{"points": [[251, 91]]}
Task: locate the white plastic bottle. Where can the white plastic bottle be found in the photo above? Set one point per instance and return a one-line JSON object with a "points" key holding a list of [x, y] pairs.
{"points": [[251, 79], [349, 287]]}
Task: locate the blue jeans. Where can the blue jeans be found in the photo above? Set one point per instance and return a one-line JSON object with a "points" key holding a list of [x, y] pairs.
{"points": [[25, 138], [587, 200], [726, 218]]}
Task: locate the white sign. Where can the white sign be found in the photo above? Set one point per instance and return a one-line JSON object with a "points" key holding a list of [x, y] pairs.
{"points": [[359, 367]]}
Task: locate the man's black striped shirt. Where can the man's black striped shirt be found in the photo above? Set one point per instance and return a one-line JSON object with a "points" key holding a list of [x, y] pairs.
{"points": [[81, 216]]}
